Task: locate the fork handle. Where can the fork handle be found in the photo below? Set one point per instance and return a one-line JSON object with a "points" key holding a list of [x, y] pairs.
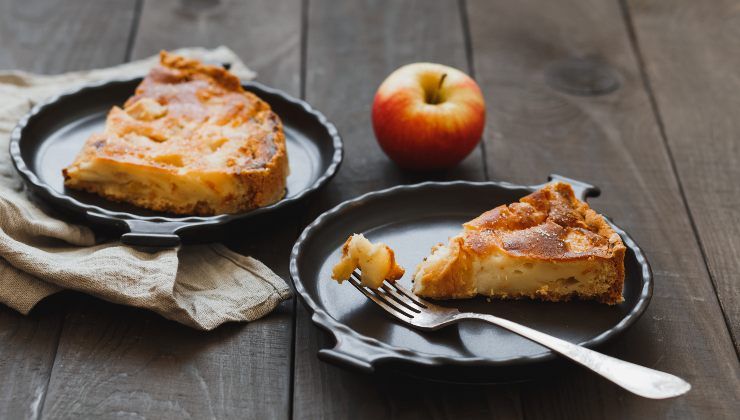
{"points": [[645, 382]]}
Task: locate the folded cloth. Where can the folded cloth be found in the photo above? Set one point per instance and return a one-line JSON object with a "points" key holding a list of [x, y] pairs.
{"points": [[200, 286]]}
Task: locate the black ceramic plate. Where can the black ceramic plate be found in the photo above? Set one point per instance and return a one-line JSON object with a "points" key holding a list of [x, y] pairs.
{"points": [[51, 135], [410, 219]]}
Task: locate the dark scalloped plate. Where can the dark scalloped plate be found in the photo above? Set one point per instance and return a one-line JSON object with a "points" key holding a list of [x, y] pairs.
{"points": [[49, 137], [410, 219]]}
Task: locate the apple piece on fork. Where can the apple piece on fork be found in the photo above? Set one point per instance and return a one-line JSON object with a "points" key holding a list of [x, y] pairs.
{"points": [[376, 262]]}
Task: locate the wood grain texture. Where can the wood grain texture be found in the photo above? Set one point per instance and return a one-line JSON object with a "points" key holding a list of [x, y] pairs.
{"points": [[565, 95], [351, 48], [549, 71], [122, 362], [49, 37], [116, 361], [688, 50], [27, 348], [56, 36], [264, 33]]}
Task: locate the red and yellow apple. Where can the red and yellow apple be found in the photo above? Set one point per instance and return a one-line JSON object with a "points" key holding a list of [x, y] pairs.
{"points": [[428, 116]]}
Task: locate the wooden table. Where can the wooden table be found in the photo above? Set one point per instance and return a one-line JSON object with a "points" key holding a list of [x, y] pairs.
{"points": [[648, 108]]}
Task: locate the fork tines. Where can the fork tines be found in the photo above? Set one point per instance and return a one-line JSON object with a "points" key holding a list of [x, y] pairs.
{"points": [[396, 300]]}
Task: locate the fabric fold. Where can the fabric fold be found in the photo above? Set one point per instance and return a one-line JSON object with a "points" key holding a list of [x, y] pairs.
{"points": [[201, 286]]}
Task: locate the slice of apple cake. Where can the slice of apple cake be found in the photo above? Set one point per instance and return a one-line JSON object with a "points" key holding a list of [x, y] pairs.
{"points": [[190, 140], [549, 246]]}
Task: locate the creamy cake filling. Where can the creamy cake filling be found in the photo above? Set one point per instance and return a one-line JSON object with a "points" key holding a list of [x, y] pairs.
{"points": [[504, 276], [499, 274]]}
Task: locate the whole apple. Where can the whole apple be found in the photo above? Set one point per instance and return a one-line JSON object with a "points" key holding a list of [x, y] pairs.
{"points": [[428, 116]]}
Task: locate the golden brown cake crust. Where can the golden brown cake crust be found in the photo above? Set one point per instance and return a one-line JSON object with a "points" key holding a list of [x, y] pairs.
{"points": [[550, 225], [457, 279], [188, 125]]}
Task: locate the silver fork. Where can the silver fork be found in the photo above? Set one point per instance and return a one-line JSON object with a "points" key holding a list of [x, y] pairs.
{"points": [[418, 313]]}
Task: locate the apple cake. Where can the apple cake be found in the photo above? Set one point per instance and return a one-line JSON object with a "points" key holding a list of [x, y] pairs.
{"points": [[548, 246], [189, 141], [376, 262]]}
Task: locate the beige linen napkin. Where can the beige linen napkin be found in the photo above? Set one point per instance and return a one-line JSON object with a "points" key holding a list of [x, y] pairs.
{"points": [[201, 286]]}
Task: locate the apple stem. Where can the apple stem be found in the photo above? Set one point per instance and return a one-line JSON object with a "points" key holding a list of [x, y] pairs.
{"points": [[435, 98]]}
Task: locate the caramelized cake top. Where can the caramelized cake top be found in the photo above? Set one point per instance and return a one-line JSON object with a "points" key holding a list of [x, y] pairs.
{"points": [[549, 224], [186, 114], [190, 140]]}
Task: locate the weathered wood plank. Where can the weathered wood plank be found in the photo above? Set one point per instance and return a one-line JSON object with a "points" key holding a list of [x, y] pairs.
{"points": [[45, 37], [352, 47], [265, 33], [549, 72], [27, 348], [114, 361], [54, 37], [688, 52]]}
